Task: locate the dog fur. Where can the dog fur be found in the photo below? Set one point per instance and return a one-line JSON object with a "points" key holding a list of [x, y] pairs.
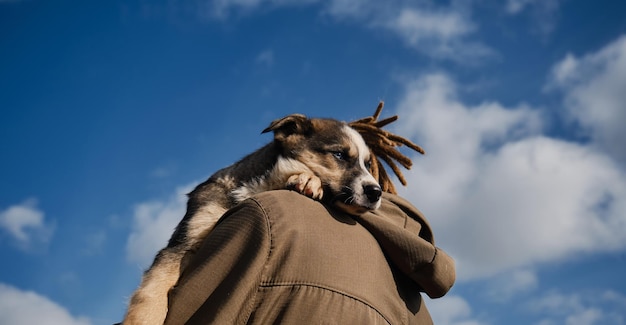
{"points": [[323, 159]]}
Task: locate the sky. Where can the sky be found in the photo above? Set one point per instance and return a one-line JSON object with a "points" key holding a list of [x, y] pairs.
{"points": [[110, 111]]}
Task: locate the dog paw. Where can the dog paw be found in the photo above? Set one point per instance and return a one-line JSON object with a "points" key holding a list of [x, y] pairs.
{"points": [[307, 184]]}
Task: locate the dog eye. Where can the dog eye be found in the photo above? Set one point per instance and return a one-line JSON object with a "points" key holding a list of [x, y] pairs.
{"points": [[339, 155]]}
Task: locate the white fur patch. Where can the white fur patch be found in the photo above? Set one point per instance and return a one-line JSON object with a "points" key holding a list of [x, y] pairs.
{"points": [[362, 148], [365, 177], [227, 180]]}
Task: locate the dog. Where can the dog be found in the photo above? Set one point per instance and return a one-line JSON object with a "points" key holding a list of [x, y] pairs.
{"points": [[323, 159]]}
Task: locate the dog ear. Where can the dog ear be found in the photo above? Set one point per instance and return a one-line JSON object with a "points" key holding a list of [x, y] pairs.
{"points": [[290, 124]]}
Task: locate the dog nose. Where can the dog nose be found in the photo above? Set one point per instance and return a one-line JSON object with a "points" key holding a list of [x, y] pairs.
{"points": [[373, 192]]}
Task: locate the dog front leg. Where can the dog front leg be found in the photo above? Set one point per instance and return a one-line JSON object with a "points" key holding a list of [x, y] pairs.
{"points": [[307, 184]]}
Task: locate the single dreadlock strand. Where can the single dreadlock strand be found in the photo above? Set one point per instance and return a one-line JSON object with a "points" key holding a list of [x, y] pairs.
{"points": [[365, 120], [386, 121], [395, 169], [379, 109], [385, 181], [406, 142], [389, 186], [374, 168]]}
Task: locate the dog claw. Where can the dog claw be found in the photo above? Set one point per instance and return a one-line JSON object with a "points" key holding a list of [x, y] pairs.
{"points": [[307, 184]]}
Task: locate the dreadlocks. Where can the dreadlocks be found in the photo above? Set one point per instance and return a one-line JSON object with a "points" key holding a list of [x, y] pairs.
{"points": [[383, 146]]}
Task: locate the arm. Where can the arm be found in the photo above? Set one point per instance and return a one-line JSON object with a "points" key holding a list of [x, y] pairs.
{"points": [[223, 275], [406, 238]]}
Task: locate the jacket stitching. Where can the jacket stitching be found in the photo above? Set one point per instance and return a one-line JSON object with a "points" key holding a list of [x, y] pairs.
{"points": [[312, 285], [252, 302]]}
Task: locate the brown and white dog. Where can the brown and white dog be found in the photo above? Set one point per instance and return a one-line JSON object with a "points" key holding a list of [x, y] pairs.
{"points": [[324, 159]]}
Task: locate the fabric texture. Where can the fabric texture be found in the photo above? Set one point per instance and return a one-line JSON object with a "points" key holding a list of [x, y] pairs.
{"points": [[282, 258]]}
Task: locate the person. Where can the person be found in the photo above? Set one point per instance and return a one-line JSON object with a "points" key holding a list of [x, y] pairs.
{"points": [[283, 258]]}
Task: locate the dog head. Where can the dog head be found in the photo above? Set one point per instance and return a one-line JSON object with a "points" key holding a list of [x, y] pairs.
{"points": [[336, 154]]}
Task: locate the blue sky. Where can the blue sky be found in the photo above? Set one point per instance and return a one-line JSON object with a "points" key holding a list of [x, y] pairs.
{"points": [[111, 110]]}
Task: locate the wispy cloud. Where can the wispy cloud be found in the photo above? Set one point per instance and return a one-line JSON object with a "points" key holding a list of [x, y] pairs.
{"points": [[441, 32], [594, 97], [26, 224], [491, 178], [153, 224], [224, 8], [578, 309], [508, 285], [417, 24], [20, 307], [452, 310], [544, 13], [516, 6]]}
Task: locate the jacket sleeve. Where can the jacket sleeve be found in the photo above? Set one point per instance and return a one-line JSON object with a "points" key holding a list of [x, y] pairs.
{"points": [[222, 277], [406, 238]]}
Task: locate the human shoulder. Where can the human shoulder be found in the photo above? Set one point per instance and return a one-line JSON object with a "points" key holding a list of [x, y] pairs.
{"points": [[402, 212], [285, 202]]}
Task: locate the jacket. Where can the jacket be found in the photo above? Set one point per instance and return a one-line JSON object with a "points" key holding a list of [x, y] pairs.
{"points": [[281, 257]]}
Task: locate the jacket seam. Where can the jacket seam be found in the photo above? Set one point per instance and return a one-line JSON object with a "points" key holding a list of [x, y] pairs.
{"points": [[317, 286], [252, 303]]}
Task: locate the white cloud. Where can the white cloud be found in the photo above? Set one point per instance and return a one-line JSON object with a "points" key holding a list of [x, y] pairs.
{"points": [[500, 195], [451, 310], [221, 8], [543, 13], [577, 309], [593, 87], [440, 32], [26, 224], [517, 6], [19, 307], [153, 224], [224, 8], [614, 297], [349, 8], [505, 286], [564, 71], [418, 24]]}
